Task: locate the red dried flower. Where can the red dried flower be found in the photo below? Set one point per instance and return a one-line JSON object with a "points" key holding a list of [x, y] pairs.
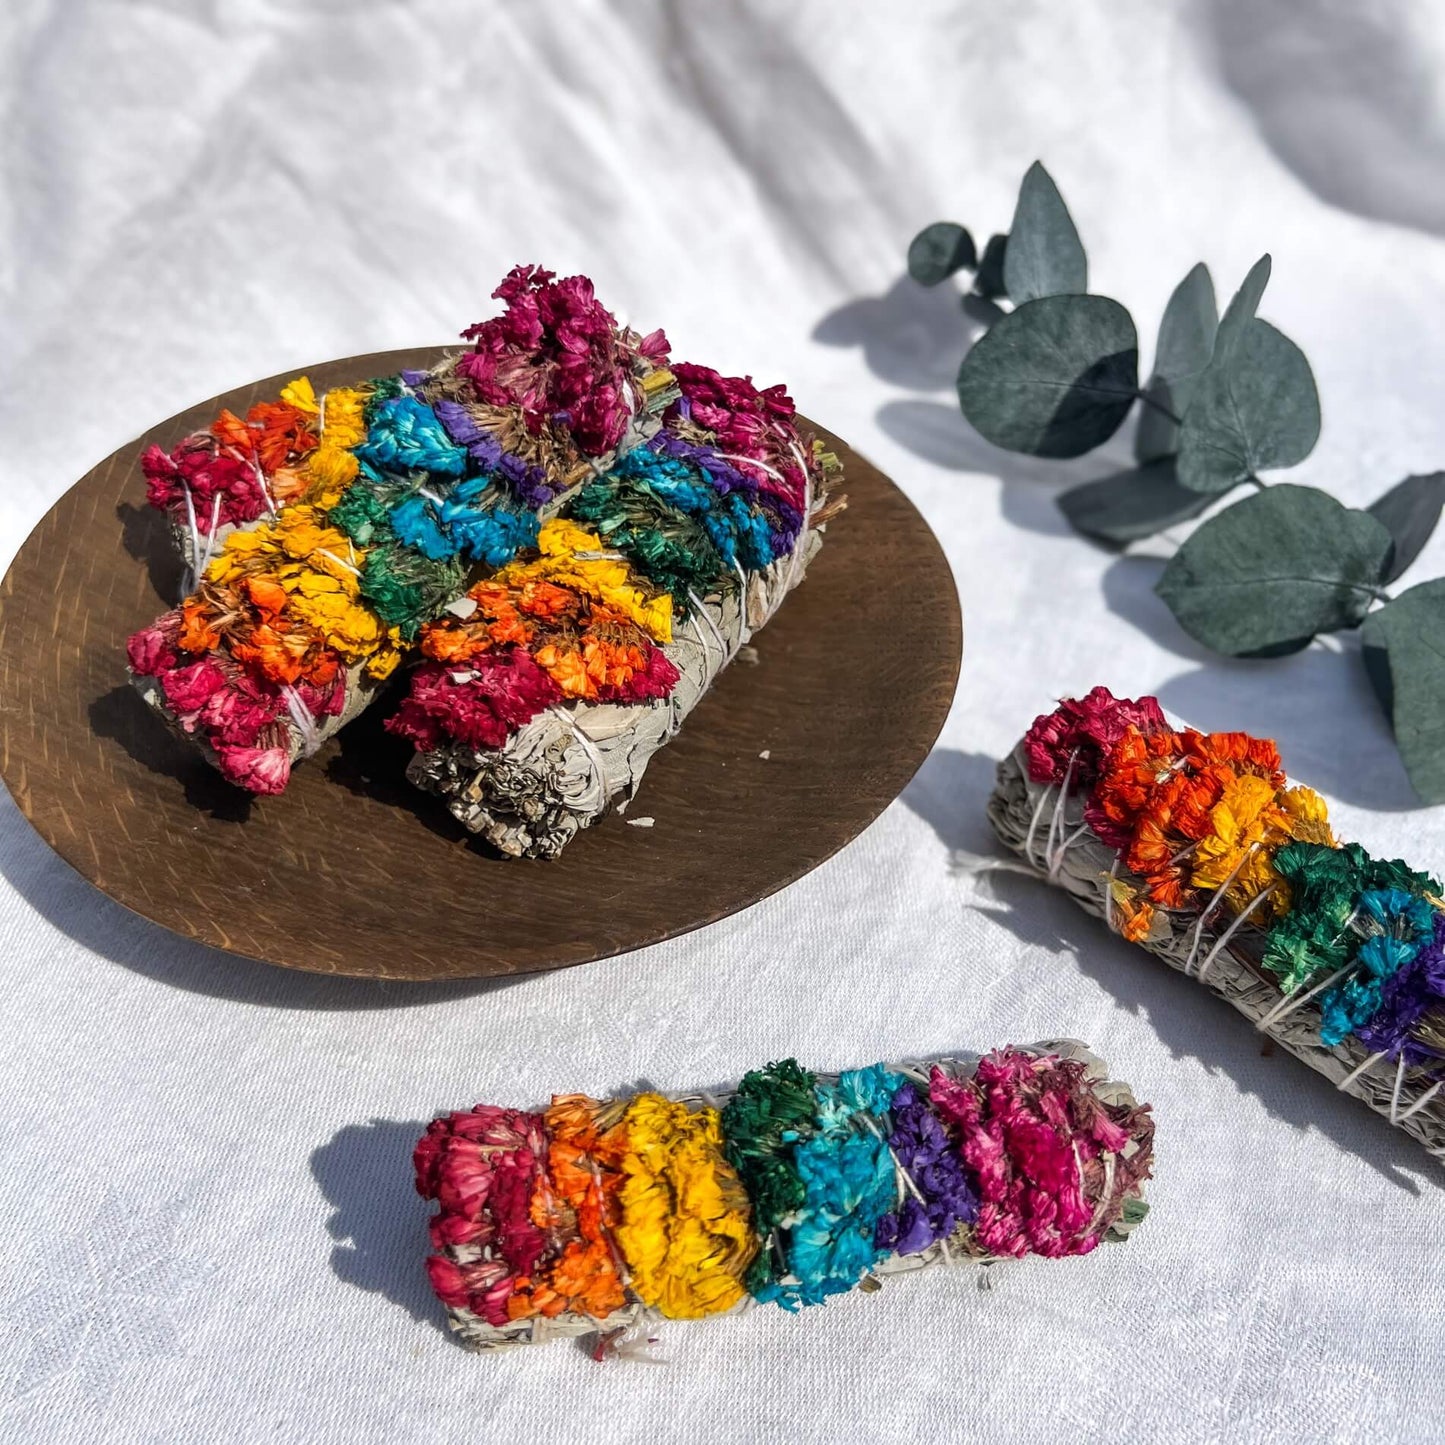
{"points": [[1082, 732], [259, 770]]}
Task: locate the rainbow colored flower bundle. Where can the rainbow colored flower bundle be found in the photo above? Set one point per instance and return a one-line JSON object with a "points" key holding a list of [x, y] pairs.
{"points": [[562, 535], [1196, 846], [602, 1215]]}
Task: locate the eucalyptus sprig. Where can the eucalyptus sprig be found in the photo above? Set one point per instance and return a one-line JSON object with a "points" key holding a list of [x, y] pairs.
{"points": [[1056, 374]]}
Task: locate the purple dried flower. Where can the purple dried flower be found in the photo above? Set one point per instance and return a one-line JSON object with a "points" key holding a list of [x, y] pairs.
{"points": [[460, 426], [1404, 998], [931, 1159]]}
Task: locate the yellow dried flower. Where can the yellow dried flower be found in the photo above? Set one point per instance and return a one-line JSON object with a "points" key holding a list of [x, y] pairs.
{"points": [[1246, 826], [1308, 817], [686, 1230], [609, 580]]}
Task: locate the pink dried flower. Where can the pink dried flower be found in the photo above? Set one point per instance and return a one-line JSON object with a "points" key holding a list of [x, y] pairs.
{"points": [[152, 650], [479, 705], [259, 770], [1033, 1132], [1076, 738], [757, 426], [481, 1168], [188, 688], [235, 714], [558, 354], [199, 466]]}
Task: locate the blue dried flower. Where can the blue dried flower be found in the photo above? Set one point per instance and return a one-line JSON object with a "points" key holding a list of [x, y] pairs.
{"points": [[404, 435], [1401, 923]]}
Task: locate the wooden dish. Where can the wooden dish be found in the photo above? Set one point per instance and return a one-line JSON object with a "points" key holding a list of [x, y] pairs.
{"points": [[353, 871]]}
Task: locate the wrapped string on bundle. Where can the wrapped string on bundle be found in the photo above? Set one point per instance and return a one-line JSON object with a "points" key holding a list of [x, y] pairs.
{"points": [[607, 1215], [327, 534], [530, 737], [1196, 847]]}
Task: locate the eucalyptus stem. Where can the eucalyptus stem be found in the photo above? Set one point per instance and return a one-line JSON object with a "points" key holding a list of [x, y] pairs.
{"points": [[1158, 406]]}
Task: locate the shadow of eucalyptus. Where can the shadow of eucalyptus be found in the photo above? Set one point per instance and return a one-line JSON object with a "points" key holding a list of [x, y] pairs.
{"points": [[938, 433], [916, 337], [912, 336], [1231, 693], [951, 793], [1345, 97]]}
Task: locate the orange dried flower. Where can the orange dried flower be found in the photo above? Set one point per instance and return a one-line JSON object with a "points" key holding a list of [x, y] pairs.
{"points": [[199, 632], [587, 1145]]}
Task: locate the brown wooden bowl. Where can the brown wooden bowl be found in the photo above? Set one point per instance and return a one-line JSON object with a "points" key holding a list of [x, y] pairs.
{"points": [[353, 871]]}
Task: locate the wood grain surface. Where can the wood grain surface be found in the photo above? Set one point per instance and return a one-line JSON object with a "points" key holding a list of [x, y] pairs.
{"points": [[351, 870]]}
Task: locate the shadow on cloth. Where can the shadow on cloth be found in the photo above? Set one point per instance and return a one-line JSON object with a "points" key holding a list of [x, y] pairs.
{"points": [[915, 337], [1318, 706], [950, 794], [1346, 96], [82, 912], [378, 1220], [912, 336]]}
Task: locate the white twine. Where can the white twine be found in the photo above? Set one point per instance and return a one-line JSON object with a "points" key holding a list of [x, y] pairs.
{"points": [[1207, 911], [200, 555], [1058, 819], [1395, 1092], [1370, 1061], [301, 716], [1421, 1101], [211, 535], [1063, 851], [1234, 927], [743, 632], [699, 610], [1034, 827], [195, 539], [1291, 1001], [355, 571]]}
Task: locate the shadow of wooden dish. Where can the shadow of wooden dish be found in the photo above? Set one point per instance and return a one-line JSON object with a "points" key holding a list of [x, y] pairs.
{"points": [[352, 871]]}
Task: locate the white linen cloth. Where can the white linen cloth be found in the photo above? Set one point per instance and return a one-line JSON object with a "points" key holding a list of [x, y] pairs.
{"points": [[210, 1232]]}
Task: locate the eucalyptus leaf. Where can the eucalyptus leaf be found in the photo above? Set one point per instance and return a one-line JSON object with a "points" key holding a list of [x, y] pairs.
{"points": [[1054, 378], [1242, 307], [939, 250], [1254, 408], [1184, 348], [1410, 511], [1044, 256], [1280, 649], [1404, 645], [989, 280], [982, 310], [1133, 504], [1275, 568]]}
